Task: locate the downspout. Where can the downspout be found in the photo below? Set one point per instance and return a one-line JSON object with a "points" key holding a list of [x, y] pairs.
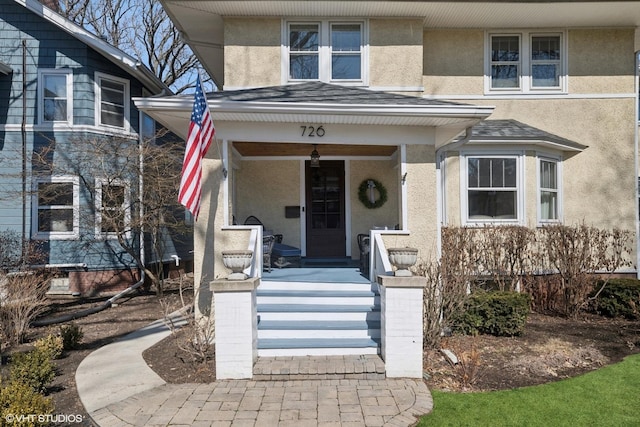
{"points": [[23, 129]]}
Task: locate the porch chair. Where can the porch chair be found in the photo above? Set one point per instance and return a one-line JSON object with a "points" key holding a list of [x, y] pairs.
{"points": [[364, 245], [267, 248]]}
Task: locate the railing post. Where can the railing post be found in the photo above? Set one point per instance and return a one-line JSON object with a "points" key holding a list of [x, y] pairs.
{"points": [[236, 326], [401, 309]]}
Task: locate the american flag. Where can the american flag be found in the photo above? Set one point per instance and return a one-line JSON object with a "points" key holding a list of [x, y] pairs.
{"points": [[201, 131]]}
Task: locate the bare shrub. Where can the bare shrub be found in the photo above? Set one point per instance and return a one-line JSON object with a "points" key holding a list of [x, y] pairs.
{"points": [[469, 362], [576, 253], [194, 335], [22, 299]]}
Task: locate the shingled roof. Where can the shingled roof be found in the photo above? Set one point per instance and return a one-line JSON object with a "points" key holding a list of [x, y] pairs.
{"points": [[324, 93], [513, 131]]}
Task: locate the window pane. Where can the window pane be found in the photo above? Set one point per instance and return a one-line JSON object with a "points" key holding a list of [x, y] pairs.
{"points": [[112, 115], [112, 196], [345, 67], [55, 86], [548, 175], [510, 172], [345, 38], [303, 67], [55, 194], [303, 37], [484, 172], [548, 205], [545, 75], [545, 48], [504, 76], [492, 204], [111, 94], [505, 48], [59, 220], [473, 166], [55, 110]]}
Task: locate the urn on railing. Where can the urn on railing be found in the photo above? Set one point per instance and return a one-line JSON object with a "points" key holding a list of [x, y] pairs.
{"points": [[237, 262], [402, 259]]}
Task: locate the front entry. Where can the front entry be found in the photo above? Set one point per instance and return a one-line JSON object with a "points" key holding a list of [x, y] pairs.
{"points": [[325, 209]]}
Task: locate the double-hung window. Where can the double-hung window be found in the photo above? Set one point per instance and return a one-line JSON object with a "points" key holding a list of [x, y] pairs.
{"points": [[55, 208], [326, 51], [112, 207], [548, 190], [55, 96], [526, 62], [112, 101], [493, 189]]}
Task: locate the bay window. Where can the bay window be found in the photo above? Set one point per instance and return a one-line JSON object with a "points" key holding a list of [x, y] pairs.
{"points": [[55, 208]]}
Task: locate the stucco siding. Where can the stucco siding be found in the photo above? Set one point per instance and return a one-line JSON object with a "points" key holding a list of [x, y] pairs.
{"points": [[263, 189], [453, 62], [252, 53], [395, 53], [601, 61], [387, 215]]}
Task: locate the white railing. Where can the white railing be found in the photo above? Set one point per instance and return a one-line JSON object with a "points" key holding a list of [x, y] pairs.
{"points": [[379, 264]]}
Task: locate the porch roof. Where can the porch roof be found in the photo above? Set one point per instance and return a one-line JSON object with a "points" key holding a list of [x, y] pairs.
{"points": [[514, 132], [316, 102], [5, 68]]}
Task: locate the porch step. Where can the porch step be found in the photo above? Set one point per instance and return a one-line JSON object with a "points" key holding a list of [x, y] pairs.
{"points": [[305, 318], [367, 367]]}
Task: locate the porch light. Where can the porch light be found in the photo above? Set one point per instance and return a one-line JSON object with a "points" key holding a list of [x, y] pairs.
{"points": [[315, 157]]}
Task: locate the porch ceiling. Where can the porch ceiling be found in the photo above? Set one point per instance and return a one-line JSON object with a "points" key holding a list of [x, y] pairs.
{"points": [[259, 149]]}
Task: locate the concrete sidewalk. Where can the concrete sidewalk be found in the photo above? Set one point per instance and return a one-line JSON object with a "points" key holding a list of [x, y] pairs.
{"points": [[118, 389]]}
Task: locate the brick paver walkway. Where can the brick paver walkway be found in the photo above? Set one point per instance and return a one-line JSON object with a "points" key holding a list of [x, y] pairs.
{"points": [[339, 402]]}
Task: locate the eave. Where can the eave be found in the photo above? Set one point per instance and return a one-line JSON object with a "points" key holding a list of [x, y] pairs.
{"points": [[202, 21]]}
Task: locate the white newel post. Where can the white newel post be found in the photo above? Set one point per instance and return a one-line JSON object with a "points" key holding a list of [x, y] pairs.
{"points": [[236, 324], [402, 325]]}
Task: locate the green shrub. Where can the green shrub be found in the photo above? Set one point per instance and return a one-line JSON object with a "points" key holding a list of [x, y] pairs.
{"points": [[18, 399], [71, 336], [496, 313], [620, 298], [33, 368], [51, 345]]}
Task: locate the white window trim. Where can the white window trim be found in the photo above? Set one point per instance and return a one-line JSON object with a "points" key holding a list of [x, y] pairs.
{"points": [[98, 207], [69, 77], [525, 86], [324, 51], [558, 161], [56, 235], [520, 187], [98, 77]]}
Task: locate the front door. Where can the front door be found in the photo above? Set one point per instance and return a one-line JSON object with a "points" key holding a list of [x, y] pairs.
{"points": [[325, 209]]}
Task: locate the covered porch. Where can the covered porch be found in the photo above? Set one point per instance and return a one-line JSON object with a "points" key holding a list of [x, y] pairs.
{"points": [[260, 166]]}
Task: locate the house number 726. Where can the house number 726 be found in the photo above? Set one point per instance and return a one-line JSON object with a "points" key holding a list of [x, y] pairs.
{"points": [[312, 131]]}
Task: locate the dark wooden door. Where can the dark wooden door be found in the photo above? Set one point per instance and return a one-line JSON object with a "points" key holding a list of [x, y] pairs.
{"points": [[325, 209]]}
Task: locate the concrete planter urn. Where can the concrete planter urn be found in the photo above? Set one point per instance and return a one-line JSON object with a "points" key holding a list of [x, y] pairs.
{"points": [[402, 259], [237, 262]]}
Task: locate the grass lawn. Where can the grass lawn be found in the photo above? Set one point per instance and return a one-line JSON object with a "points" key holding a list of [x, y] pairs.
{"points": [[607, 397]]}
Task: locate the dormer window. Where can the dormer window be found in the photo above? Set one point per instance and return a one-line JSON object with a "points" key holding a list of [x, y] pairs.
{"points": [[326, 51]]}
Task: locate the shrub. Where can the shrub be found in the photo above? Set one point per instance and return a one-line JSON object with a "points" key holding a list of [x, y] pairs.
{"points": [[17, 398], [621, 297], [495, 313], [71, 336], [23, 299], [34, 369], [51, 345]]}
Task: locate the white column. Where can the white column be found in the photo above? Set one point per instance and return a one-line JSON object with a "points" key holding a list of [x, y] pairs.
{"points": [[401, 305], [236, 327]]}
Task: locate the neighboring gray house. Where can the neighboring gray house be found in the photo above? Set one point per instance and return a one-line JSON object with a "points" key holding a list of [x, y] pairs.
{"points": [[62, 92]]}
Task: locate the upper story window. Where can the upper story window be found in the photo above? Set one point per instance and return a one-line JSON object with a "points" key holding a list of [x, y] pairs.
{"points": [[326, 51], [55, 96], [56, 208], [526, 62], [493, 189], [112, 101], [548, 190]]}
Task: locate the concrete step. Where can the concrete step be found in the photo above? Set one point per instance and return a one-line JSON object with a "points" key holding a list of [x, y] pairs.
{"points": [[317, 346], [318, 329], [318, 286], [319, 367]]}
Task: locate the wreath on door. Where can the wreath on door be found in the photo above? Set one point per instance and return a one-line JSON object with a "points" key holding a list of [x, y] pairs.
{"points": [[366, 193]]}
